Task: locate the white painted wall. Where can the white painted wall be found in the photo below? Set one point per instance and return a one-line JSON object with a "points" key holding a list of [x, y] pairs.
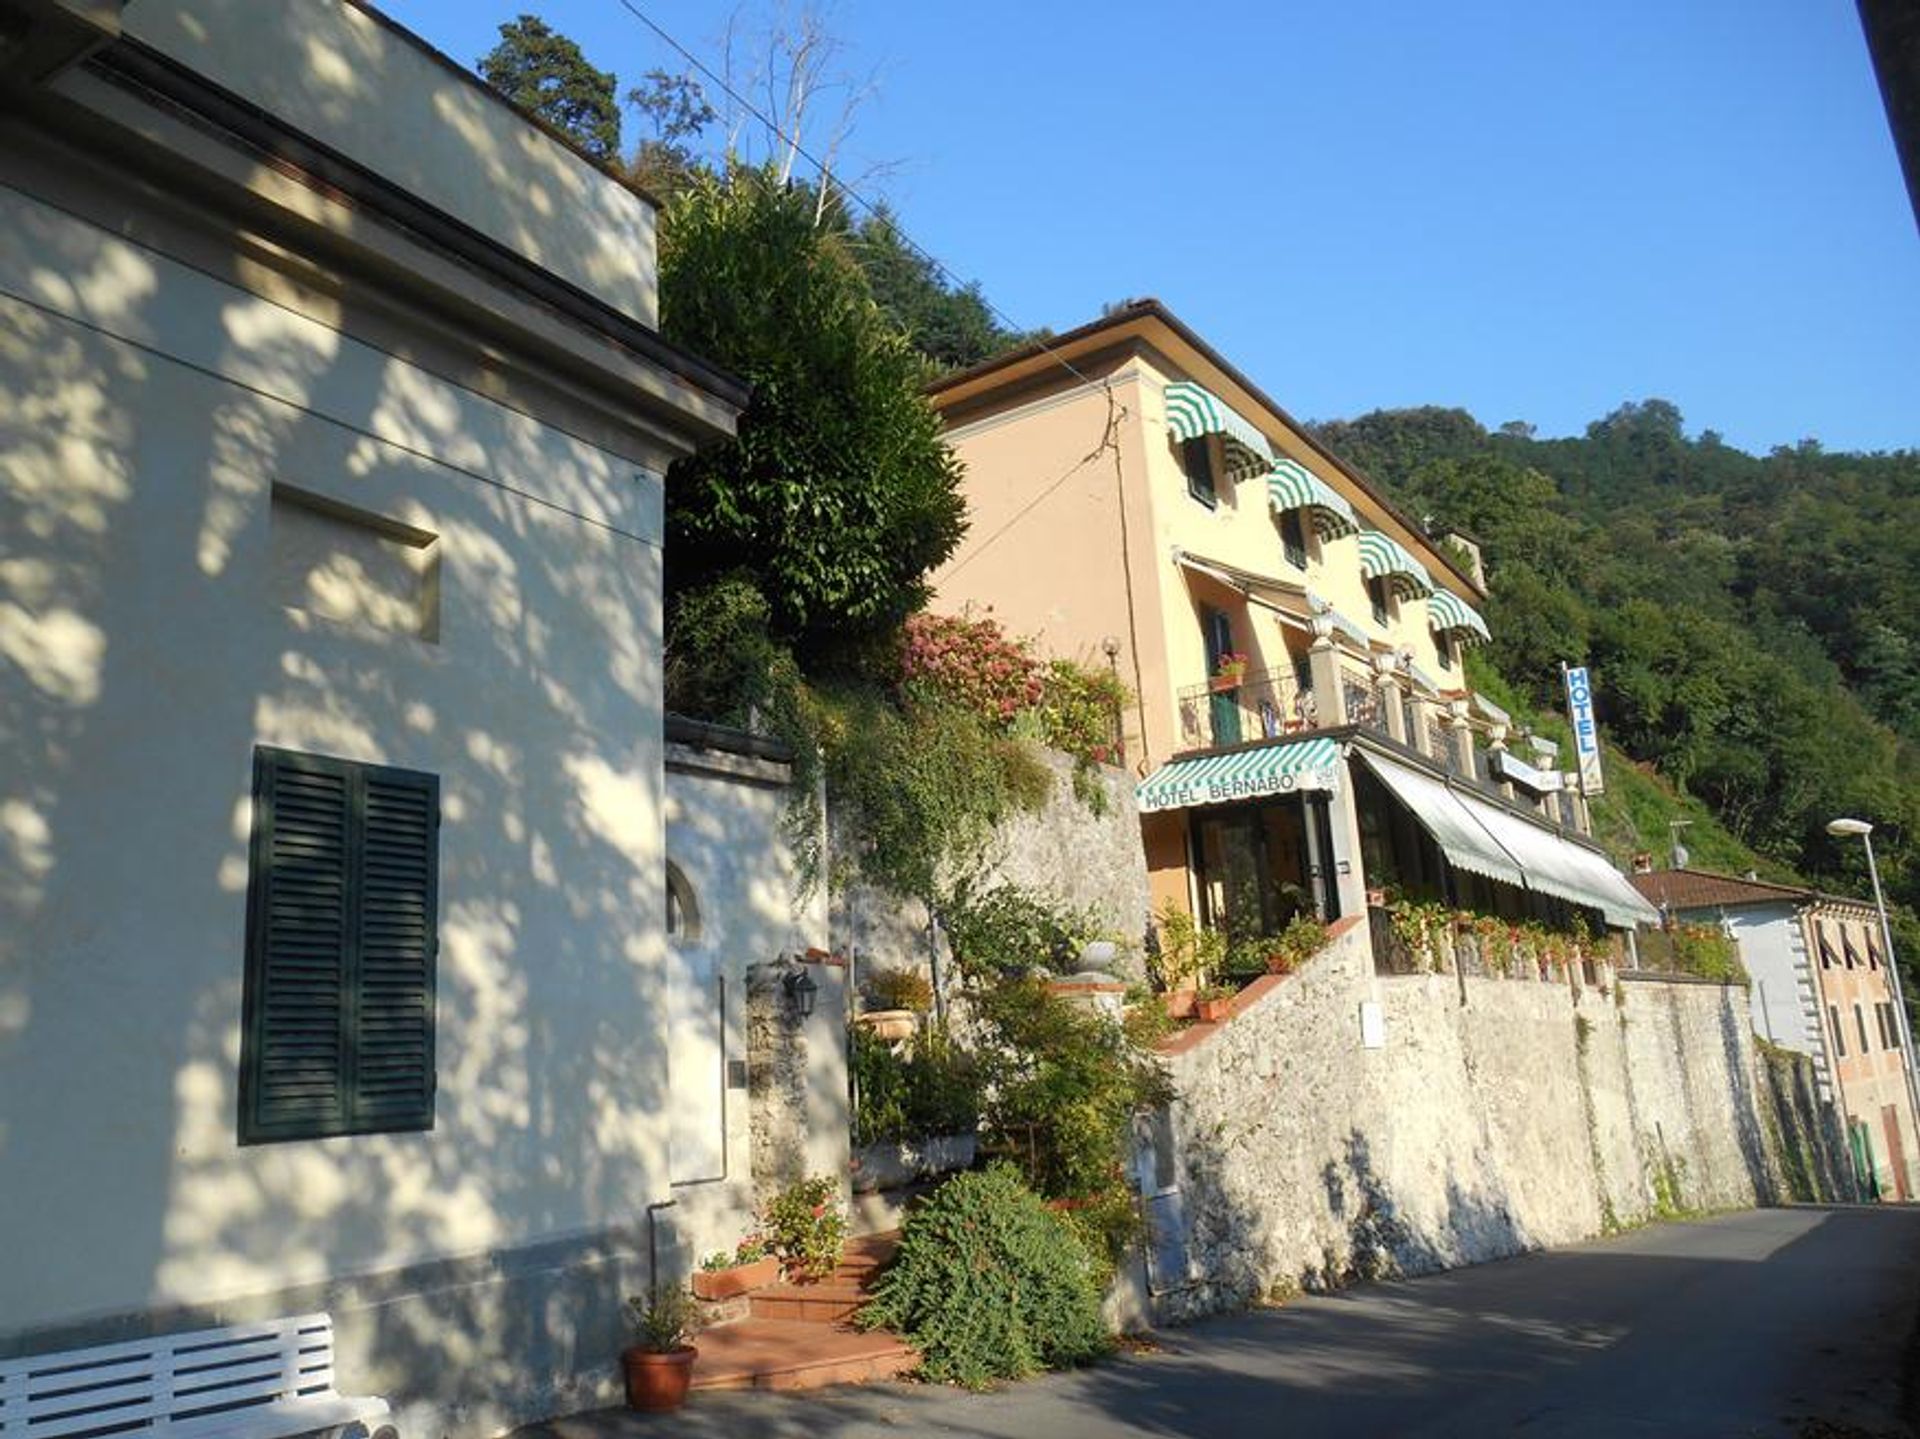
{"points": [[145, 410], [341, 77], [1774, 952]]}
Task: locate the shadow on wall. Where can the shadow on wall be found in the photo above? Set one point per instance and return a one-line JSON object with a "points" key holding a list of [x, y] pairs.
{"points": [[145, 656]]}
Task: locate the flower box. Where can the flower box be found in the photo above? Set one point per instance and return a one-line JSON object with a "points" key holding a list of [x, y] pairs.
{"points": [[736, 1279], [1213, 1011]]}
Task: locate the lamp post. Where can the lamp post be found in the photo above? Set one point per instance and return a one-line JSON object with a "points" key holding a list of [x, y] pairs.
{"points": [[1846, 829]]}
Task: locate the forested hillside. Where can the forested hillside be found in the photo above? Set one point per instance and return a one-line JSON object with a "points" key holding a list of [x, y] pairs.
{"points": [[1753, 624]]}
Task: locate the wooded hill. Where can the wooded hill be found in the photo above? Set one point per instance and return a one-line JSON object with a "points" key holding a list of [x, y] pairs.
{"points": [[1752, 623]]}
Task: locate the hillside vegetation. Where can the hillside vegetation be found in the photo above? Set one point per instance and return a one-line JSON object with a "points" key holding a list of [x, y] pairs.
{"points": [[1752, 623]]}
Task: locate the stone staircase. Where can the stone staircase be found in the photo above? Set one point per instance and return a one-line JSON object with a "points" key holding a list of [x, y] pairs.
{"points": [[799, 1336]]}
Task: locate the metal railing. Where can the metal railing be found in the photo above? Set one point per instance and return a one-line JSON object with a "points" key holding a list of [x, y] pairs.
{"points": [[1366, 701], [1262, 704]]}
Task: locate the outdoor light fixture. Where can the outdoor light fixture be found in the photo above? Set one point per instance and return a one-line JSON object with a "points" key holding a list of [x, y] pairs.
{"points": [[1845, 828], [801, 991]]}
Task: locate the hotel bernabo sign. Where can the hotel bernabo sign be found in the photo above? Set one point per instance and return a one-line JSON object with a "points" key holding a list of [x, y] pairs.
{"points": [[1245, 774]]}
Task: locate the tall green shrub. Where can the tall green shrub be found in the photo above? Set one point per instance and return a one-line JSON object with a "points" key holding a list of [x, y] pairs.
{"points": [[990, 1285]]}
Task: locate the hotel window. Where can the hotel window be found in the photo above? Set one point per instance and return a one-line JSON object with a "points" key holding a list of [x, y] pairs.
{"points": [[1196, 459], [1443, 650], [1839, 1034], [1293, 538], [1860, 1018], [1381, 597]]}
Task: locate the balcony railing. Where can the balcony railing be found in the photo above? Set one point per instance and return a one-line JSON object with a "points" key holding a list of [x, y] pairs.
{"points": [[1366, 701], [1264, 704]]}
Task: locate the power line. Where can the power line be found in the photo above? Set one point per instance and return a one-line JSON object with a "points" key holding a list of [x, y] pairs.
{"points": [[826, 177]]}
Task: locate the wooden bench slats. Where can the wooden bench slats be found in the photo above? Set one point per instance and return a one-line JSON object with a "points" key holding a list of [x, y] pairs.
{"points": [[247, 1381]]}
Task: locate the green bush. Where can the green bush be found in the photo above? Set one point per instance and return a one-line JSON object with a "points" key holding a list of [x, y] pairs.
{"points": [[990, 1285], [896, 987], [1008, 930], [931, 1087]]}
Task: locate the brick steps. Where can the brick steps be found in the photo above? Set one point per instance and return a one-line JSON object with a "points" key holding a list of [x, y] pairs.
{"points": [[796, 1354], [797, 1336]]}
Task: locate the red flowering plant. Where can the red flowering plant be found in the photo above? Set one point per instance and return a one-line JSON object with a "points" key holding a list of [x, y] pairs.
{"points": [[971, 663]]}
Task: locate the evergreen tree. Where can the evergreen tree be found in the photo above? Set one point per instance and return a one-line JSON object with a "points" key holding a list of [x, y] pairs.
{"points": [[545, 73]]}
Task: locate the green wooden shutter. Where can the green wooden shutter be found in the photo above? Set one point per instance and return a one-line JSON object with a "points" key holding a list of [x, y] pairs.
{"points": [[341, 949]]}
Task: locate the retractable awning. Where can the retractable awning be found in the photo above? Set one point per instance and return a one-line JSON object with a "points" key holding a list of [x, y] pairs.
{"points": [[1462, 839], [1447, 611], [1194, 412], [1481, 837], [1292, 486], [1382, 558], [1242, 774]]}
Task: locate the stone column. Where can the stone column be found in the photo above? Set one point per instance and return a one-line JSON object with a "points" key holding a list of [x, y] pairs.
{"points": [[1343, 822], [1323, 663], [1391, 697], [1460, 735], [1420, 739]]}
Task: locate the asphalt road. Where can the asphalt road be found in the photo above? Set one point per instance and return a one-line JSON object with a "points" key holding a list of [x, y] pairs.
{"points": [[1776, 1322]]}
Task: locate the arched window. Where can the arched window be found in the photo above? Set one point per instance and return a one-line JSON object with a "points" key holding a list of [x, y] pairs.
{"points": [[683, 910]]}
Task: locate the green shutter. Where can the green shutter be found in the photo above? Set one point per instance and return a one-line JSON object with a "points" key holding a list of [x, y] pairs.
{"points": [[341, 948]]}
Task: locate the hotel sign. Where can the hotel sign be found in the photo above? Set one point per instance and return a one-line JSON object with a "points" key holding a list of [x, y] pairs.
{"points": [[1586, 733], [1229, 788], [1540, 781]]}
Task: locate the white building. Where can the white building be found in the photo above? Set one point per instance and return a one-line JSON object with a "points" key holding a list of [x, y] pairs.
{"points": [[334, 969]]}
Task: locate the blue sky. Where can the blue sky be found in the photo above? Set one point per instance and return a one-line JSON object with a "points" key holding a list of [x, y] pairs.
{"points": [[1532, 211]]}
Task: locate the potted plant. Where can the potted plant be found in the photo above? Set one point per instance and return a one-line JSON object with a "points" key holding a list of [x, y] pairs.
{"points": [[659, 1363], [1229, 670], [1186, 956], [1214, 1004], [806, 1227], [751, 1265], [893, 999]]}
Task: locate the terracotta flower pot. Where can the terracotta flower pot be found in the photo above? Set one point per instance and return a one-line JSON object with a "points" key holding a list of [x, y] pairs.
{"points": [[1213, 1011], [1179, 1003], [657, 1383], [736, 1279], [889, 1023]]}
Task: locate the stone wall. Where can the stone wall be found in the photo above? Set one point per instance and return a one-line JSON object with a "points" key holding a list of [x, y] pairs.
{"points": [[1495, 1116], [1065, 851]]}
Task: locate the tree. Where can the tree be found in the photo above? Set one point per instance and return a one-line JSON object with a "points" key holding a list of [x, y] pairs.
{"points": [[677, 108], [839, 495], [545, 73]]}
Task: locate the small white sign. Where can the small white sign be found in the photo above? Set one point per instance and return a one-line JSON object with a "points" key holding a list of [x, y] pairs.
{"points": [[1373, 1025]]}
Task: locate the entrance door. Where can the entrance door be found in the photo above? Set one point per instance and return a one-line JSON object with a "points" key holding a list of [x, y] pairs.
{"points": [[1223, 706], [1896, 1150], [1861, 1142]]}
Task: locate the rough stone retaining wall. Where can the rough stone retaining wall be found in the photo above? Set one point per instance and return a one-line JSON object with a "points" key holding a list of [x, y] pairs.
{"points": [[1064, 851], [1496, 1117]]}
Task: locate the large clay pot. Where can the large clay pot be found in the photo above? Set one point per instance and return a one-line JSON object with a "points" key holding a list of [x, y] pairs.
{"points": [[736, 1279], [657, 1383], [889, 1024]]}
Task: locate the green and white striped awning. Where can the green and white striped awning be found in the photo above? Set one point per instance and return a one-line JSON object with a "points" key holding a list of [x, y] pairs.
{"points": [[1241, 774], [1385, 559], [1292, 486], [1447, 611], [1193, 412]]}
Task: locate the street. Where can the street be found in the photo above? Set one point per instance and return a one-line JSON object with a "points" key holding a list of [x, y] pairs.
{"points": [[1772, 1322]]}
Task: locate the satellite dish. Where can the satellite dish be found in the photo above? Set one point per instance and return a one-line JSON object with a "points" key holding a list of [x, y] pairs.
{"points": [[1680, 856]]}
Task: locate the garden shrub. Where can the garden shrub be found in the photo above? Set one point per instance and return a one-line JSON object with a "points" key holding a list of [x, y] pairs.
{"points": [[806, 1226], [930, 1087], [989, 1284], [897, 987]]}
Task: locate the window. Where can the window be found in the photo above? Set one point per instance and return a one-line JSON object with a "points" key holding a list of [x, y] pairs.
{"points": [[1846, 944], [1293, 539], [1196, 458], [1860, 1018], [1839, 1034], [683, 909], [1873, 952], [1883, 1012], [342, 937], [1443, 651], [1377, 592], [1827, 956]]}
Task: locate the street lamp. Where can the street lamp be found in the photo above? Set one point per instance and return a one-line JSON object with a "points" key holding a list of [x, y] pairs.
{"points": [[1844, 828]]}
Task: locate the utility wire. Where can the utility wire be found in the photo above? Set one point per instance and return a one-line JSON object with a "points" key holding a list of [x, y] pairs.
{"points": [[826, 177]]}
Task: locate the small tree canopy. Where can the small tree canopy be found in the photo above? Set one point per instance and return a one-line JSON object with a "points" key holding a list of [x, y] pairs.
{"points": [[546, 74], [839, 494]]}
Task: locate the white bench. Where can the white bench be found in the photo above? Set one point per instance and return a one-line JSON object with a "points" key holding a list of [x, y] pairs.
{"points": [[249, 1381]]}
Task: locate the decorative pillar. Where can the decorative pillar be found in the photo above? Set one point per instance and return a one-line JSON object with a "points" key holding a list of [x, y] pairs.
{"points": [[1460, 736], [1323, 664], [1392, 697]]}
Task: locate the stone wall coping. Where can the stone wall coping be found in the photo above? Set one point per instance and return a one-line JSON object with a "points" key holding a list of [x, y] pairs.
{"points": [[1654, 976], [1196, 1035]]}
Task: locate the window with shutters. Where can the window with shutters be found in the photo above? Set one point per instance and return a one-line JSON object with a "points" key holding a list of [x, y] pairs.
{"points": [[342, 936]]}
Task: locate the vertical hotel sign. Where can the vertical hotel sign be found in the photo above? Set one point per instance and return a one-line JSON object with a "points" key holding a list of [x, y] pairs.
{"points": [[1586, 734]]}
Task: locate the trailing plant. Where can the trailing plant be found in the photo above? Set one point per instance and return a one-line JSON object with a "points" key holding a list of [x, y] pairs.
{"points": [[897, 987], [660, 1323], [1708, 952], [972, 663], [749, 1250], [1008, 929], [806, 1226], [1303, 938], [989, 1285], [1080, 708]]}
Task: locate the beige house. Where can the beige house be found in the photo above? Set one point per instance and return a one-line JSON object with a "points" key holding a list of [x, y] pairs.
{"points": [[1301, 721], [1821, 986], [335, 813]]}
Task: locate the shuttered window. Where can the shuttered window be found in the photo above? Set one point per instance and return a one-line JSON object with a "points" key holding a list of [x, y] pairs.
{"points": [[342, 935]]}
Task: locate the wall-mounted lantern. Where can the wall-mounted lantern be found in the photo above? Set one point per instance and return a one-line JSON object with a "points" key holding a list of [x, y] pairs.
{"points": [[801, 989]]}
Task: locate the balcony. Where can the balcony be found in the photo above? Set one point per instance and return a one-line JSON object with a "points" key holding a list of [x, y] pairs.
{"points": [[1263, 704]]}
